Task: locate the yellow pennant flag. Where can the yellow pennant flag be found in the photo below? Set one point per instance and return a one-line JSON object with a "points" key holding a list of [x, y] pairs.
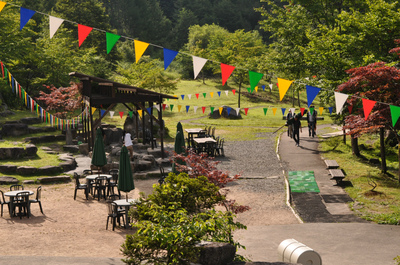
{"points": [[175, 96], [2, 4], [211, 94], [140, 48], [140, 112], [93, 110], [321, 109], [274, 110], [220, 110], [283, 87], [25, 98], [256, 88], [9, 78], [179, 108]]}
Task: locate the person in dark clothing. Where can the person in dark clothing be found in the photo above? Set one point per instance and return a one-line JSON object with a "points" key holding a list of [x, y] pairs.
{"points": [[312, 122], [290, 127], [296, 128]]}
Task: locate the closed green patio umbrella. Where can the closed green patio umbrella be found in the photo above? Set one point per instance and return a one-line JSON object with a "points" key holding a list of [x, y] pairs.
{"points": [[179, 146], [125, 177], [99, 155]]}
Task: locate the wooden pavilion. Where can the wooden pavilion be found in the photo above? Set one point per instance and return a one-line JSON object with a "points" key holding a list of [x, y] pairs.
{"points": [[98, 92]]}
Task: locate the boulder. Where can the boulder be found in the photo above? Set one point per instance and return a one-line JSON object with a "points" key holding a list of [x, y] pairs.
{"points": [[164, 162], [14, 129], [68, 165], [12, 153], [84, 148], [63, 179], [31, 150], [142, 165], [28, 181], [150, 158], [8, 169], [8, 180], [156, 152], [113, 135], [216, 253], [49, 170], [33, 120], [26, 171], [71, 148], [224, 113], [116, 151]]}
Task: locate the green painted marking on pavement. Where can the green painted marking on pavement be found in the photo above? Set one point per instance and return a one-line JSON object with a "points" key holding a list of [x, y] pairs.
{"points": [[302, 181]]}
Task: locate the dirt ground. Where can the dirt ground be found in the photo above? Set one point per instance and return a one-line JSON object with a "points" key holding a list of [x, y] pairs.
{"points": [[77, 228]]}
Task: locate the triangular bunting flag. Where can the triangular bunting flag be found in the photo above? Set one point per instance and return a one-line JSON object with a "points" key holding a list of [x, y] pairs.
{"points": [[169, 56], [256, 88], [179, 108], [340, 99], [163, 106], [212, 94], [2, 5], [263, 87], [254, 79], [233, 91], [171, 107], [274, 111], [149, 110], [198, 64], [237, 111], [330, 110], [270, 87], [283, 111], [140, 48], [219, 93], [204, 94], [204, 109], [395, 112], [368, 106], [25, 16], [228, 110], [292, 110], [302, 111], [83, 32], [121, 113], [93, 110], [54, 23], [212, 110], [226, 92], [311, 111], [220, 110], [130, 114], [321, 109], [187, 109], [111, 113], [182, 96], [246, 110], [283, 85], [111, 40], [265, 111], [197, 96], [312, 92], [195, 108], [189, 96], [102, 112], [226, 71], [140, 112], [350, 107]]}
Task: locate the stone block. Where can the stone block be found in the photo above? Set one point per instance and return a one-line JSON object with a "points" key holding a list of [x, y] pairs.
{"points": [[28, 181], [26, 171], [14, 129], [84, 148], [216, 253], [49, 170], [8, 180], [142, 165], [11, 153], [8, 169], [47, 138], [32, 120], [164, 162], [71, 148], [31, 150], [156, 152], [68, 165], [46, 180], [150, 158]]}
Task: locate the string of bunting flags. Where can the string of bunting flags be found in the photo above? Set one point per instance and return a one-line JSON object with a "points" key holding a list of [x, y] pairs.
{"points": [[198, 64]]}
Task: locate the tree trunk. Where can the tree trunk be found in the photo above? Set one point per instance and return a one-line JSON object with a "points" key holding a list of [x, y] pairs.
{"points": [[240, 86], [354, 146], [344, 134], [298, 98], [383, 154]]}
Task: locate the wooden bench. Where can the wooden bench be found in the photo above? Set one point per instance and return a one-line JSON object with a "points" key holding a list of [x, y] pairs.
{"points": [[337, 175], [331, 164]]}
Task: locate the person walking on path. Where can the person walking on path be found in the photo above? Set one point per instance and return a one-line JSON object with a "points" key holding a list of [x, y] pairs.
{"points": [[312, 121], [290, 127], [296, 128], [128, 143]]}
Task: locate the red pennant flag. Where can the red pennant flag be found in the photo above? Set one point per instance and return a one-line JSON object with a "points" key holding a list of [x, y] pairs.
{"points": [[277, 84], [197, 96], [226, 71], [2, 69], [350, 107], [163, 106], [302, 111], [246, 110], [121, 113], [204, 109], [368, 106], [83, 32], [233, 91]]}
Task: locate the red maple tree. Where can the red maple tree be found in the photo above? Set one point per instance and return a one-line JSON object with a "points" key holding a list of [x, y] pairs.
{"points": [[62, 100]]}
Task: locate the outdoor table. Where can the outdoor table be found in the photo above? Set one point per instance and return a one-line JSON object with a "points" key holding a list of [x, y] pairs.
{"points": [[126, 205], [91, 178], [192, 132], [12, 195], [203, 145]]}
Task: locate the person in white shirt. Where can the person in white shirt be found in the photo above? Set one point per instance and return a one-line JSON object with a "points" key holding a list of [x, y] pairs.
{"points": [[128, 143]]}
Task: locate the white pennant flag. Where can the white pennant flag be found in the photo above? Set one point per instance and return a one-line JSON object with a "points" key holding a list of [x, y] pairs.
{"points": [[340, 99], [292, 110], [157, 107], [195, 108], [270, 87], [189, 96], [237, 111], [55, 23], [226, 92], [111, 113], [198, 64]]}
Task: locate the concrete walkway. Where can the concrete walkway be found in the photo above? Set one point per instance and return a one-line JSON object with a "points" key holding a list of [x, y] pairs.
{"points": [[329, 227]]}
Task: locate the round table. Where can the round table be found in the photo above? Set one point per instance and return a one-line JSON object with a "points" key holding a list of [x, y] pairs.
{"points": [[12, 194], [91, 178]]}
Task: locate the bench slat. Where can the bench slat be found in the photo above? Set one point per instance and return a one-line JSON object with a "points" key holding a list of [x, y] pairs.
{"points": [[337, 175], [331, 164]]}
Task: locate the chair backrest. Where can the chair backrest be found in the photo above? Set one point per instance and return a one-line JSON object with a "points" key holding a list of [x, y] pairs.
{"points": [[113, 197], [209, 131], [112, 208], [101, 180], [114, 174], [87, 172], [39, 193], [2, 199], [213, 132], [23, 196], [76, 177], [221, 143], [16, 187]]}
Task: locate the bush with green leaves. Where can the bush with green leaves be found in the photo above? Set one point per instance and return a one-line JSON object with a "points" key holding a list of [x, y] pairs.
{"points": [[174, 218]]}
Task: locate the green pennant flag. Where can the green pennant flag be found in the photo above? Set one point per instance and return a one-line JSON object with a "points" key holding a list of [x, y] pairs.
{"points": [[311, 111], [248, 89], [265, 111], [204, 94], [254, 79], [212, 110], [130, 114], [171, 107], [111, 40], [395, 111]]}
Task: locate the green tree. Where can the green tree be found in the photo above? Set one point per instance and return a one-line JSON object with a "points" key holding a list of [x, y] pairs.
{"points": [[180, 32]]}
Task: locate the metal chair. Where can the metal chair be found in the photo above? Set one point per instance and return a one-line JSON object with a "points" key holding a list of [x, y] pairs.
{"points": [[213, 133], [16, 187], [38, 198], [113, 183], [3, 201], [79, 186], [22, 202], [114, 215], [220, 147]]}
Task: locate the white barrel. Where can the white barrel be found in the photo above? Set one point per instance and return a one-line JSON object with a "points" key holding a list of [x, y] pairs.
{"points": [[290, 250]]}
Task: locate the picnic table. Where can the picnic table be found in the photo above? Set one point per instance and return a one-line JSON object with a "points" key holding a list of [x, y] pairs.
{"points": [[192, 133], [206, 145]]}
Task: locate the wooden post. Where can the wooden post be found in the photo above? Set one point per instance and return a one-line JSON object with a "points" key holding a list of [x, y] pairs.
{"points": [[383, 153], [151, 125], [161, 128], [143, 122]]}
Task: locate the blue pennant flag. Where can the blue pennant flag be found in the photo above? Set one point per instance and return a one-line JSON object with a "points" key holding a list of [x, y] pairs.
{"points": [[26, 15], [149, 110], [102, 112], [12, 84], [312, 92], [283, 111], [219, 93], [228, 110], [330, 110], [187, 108], [169, 56], [183, 96], [263, 87]]}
